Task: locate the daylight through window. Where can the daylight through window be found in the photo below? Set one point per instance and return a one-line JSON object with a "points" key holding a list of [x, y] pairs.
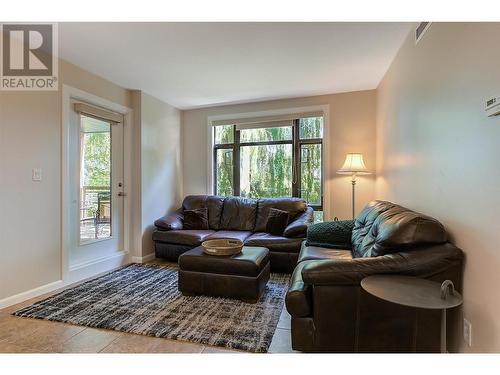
{"points": [[269, 160]]}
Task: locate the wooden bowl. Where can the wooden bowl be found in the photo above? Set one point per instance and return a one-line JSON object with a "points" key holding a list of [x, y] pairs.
{"points": [[222, 247]]}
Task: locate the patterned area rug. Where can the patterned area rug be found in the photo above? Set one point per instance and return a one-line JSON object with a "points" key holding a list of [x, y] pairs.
{"points": [[144, 299]]}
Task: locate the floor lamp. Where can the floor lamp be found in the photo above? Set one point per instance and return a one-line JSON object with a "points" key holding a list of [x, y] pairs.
{"points": [[353, 165]]}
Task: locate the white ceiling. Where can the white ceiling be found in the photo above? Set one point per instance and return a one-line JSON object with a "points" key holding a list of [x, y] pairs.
{"points": [[192, 65]]}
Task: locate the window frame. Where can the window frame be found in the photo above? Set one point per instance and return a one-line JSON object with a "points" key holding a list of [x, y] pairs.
{"points": [[296, 143]]}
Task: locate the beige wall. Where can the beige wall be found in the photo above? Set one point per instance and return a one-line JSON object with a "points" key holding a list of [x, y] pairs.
{"points": [[160, 164], [30, 212], [438, 153], [351, 129], [30, 137], [30, 230]]}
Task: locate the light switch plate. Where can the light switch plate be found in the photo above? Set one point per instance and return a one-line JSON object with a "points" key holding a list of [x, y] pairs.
{"points": [[36, 175]]}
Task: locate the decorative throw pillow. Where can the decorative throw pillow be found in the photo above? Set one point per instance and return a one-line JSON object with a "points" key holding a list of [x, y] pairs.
{"points": [[331, 234], [277, 221], [196, 219]]}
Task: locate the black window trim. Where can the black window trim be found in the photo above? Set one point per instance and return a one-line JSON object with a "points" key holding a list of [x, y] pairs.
{"points": [[296, 143]]}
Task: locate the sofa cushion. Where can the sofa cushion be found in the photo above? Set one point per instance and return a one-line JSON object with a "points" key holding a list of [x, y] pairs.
{"points": [[238, 214], [319, 253], [277, 221], [182, 237], [196, 219], [213, 203], [274, 243], [231, 234], [384, 228], [364, 222], [294, 206]]}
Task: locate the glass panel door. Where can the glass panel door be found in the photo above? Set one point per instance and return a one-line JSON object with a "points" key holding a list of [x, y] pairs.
{"points": [[96, 191], [95, 179]]}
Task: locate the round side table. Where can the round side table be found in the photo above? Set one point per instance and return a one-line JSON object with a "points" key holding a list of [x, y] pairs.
{"points": [[415, 292]]}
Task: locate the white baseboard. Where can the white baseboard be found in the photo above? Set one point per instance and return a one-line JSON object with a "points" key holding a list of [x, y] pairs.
{"points": [[21, 297], [77, 272], [84, 270], [144, 259]]}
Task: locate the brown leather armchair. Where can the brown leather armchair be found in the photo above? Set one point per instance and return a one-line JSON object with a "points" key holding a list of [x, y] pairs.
{"points": [[237, 218], [332, 313]]}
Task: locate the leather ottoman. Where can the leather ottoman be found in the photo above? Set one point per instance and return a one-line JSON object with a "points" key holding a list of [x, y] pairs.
{"points": [[242, 276]]}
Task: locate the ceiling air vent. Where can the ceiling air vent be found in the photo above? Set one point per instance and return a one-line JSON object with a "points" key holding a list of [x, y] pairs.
{"points": [[420, 30]]}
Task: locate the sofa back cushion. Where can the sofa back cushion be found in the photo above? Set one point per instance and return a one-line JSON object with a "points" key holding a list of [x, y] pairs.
{"points": [[384, 228], [196, 219], [238, 214], [277, 221], [294, 206], [212, 203]]}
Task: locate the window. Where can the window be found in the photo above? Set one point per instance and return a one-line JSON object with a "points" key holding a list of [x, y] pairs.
{"points": [[280, 159]]}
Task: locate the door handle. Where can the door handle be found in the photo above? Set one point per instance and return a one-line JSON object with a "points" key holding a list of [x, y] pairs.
{"points": [[122, 194]]}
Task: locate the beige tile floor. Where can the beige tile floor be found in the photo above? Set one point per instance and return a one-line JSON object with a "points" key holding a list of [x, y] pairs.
{"points": [[24, 335]]}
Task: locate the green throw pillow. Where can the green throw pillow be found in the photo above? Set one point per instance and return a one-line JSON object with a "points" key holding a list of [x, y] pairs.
{"points": [[331, 234]]}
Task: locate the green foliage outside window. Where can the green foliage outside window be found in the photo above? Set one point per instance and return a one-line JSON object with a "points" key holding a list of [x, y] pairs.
{"points": [[224, 172], [311, 127], [282, 133], [96, 166], [224, 134], [310, 173], [96, 149], [267, 170]]}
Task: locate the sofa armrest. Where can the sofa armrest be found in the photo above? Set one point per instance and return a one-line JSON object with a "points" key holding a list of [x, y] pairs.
{"points": [[425, 262], [172, 221], [298, 298], [298, 227]]}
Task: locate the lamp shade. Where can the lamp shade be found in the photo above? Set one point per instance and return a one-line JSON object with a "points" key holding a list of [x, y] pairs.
{"points": [[353, 164]]}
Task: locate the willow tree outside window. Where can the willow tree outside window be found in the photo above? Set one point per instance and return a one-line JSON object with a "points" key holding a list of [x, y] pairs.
{"points": [[269, 160]]}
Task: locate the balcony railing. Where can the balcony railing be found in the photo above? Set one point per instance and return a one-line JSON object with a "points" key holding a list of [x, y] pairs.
{"points": [[95, 212]]}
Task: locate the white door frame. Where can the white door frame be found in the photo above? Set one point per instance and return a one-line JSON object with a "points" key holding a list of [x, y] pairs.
{"points": [[70, 274]]}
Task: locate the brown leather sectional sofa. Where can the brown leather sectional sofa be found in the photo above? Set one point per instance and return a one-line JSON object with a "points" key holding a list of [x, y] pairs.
{"points": [[239, 218], [332, 313]]}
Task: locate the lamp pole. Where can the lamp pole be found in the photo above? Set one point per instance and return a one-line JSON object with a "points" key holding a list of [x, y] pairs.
{"points": [[353, 181]]}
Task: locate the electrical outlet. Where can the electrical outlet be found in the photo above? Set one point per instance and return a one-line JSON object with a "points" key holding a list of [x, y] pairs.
{"points": [[36, 174], [467, 332]]}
